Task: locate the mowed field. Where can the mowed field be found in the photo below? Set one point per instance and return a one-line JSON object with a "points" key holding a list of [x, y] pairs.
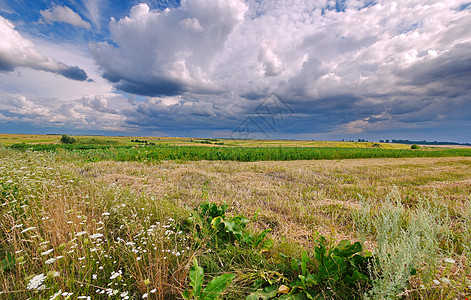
{"points": [[107, 229]]}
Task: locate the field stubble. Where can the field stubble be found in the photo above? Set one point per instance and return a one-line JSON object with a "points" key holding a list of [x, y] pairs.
{"points": [[105, 218]]}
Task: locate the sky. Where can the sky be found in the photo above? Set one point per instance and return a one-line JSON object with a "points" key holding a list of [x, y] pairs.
{"points": [[279, 69]]}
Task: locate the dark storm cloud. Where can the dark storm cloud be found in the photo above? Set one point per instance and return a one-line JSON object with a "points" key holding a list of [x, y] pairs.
{"points": [[450, 72], [74, 73], [153, 87]]}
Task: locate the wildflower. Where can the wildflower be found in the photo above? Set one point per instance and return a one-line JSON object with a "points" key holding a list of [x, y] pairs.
{"points": [[50, 261], [80, 233], [445, 280], [105, 214], [36, 282], [28, 229], [96, 235], [115, 274], [153, 291], [47, 252], [84, 297], [94, 276], [145, 295], [17, 226], [449, 260], [55, 295], [436, 282], [51, 274]]}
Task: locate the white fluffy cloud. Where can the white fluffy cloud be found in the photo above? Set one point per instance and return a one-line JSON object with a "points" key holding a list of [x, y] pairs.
{"points": [[341, 65], [63, 14], [169, 52], [308, 49], [17, 51]]}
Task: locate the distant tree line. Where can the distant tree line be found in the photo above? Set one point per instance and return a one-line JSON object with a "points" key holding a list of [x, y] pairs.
{"points": [[142, 142], [424, 142]]}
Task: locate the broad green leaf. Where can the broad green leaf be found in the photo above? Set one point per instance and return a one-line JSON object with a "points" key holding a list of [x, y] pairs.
{"points": [[264, 295], [304, 260], [256, 296], [346, 249], [214, 289], [196, 277], [291, 297], [311, 279]]}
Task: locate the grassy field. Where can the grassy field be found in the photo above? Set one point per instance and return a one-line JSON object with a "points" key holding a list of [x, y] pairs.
{"points": [[9, 139], [107, 229]]}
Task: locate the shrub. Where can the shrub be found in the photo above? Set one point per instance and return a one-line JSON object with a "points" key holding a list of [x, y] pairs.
{"points": [[413, 147], [66, 139]]}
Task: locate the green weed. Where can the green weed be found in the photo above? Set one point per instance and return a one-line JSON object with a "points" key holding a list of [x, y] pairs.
{"points": [[212, 291]]}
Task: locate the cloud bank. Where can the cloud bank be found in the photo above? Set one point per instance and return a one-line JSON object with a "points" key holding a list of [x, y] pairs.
{"points": [[63, 14], [17, 51], [349, 66]]}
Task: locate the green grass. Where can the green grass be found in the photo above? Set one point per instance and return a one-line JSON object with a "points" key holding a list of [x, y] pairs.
{"points": [[97, 152]]}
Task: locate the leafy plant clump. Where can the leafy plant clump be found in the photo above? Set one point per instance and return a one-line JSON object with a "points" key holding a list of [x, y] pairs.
{"points": [[340, 272], [414, 147], [211, 220], [212, 291]]}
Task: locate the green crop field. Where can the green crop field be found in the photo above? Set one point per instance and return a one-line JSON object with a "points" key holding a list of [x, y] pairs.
{"points": [[111, 218]]}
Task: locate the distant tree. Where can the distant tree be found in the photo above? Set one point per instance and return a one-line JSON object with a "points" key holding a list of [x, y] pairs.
{"points": [[66, 139], [415, 147]]}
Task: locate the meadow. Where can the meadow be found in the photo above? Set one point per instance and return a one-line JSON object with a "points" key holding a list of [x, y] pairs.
{"points": [[116, 221]]}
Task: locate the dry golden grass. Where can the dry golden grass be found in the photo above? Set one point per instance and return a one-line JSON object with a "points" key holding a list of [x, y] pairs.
{"points": [[295, 198]]}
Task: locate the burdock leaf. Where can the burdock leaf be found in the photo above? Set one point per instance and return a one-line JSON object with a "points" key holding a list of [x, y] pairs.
{"points": [[196, 277], [214, 289]]}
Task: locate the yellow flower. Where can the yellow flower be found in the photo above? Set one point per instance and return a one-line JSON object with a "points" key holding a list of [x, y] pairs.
{"points": [[283, 289]]}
